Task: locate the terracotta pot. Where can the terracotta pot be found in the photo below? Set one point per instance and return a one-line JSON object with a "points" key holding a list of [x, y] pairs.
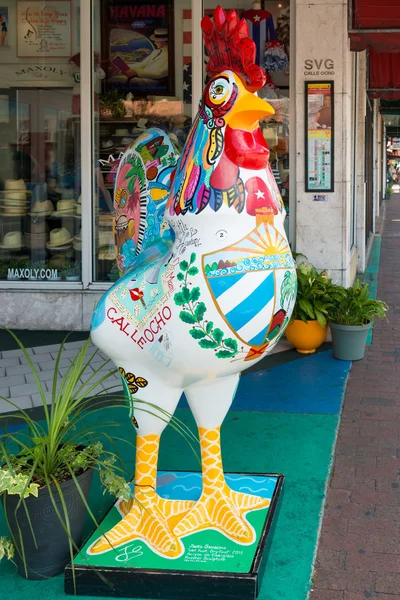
{"points": [[306, 337]]}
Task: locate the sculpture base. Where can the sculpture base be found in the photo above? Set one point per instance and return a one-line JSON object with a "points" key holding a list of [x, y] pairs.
{"points": [[212, 565]]}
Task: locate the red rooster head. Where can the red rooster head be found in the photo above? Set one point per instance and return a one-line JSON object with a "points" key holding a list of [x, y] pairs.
{"points": [[229, 97]]}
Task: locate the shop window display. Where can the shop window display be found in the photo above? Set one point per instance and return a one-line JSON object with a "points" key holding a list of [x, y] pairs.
{"points": [[39, 145], [144, 51], [269, 27]]}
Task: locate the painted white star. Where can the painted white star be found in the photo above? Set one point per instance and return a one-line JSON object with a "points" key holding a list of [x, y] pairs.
{"points": [[185, 67], [256, 18], [185, 87], [260, 194]]}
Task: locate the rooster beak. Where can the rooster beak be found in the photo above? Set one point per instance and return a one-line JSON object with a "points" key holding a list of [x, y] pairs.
{"points": [[248, 111]]}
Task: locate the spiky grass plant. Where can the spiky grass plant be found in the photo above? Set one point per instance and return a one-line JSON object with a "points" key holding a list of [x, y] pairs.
{"points": [[44, 455]]}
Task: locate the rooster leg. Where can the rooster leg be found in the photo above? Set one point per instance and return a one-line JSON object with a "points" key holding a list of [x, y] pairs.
{"points": [[146, 516], [219, 507]]}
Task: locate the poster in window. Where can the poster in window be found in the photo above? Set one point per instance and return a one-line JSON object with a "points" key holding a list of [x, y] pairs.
{"points": [[44, 29], [4, 26], [319, 136], [138, 50]]}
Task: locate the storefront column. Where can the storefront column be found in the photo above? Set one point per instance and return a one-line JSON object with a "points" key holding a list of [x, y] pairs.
{"points": [[323, 228], [360, 161]]}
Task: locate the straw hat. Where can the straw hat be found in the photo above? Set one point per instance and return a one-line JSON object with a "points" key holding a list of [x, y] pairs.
{"points": [[14, 211], [12, 240], [15, 184], [42, 208], [65, 207], [160, 35], [59, 237]]}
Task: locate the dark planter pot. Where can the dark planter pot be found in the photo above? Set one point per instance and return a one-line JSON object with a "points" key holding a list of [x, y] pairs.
{"points": [[51, 553], [349, 341]]}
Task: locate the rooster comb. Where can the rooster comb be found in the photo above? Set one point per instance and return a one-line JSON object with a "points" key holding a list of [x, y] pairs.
{"points": [[229, 48]]}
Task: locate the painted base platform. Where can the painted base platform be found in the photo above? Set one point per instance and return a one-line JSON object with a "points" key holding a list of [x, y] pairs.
{"points": [[212, 565]]}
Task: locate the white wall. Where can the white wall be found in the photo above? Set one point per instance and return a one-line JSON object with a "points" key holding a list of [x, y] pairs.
{"points": [[323, 228]]}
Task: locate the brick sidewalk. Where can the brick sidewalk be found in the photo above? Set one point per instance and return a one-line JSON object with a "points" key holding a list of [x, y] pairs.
{"points": [[359, 550]]}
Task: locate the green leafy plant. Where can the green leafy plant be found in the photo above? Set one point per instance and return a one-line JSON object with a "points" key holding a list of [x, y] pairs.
{"points": [[47, 453], [44, 455], [193, 312], [71, 270], [6, 548], [316, 294], [112, 102], [355, 307]]}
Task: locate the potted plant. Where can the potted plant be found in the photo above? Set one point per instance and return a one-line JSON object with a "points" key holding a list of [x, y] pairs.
{"points": [[47, 466], [72, 272], [111, 104], [315, 294], [350, 320]]}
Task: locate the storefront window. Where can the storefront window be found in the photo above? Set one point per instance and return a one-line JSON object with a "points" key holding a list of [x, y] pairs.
{"points": [[143, 79], [269, 27], [39, 142]]}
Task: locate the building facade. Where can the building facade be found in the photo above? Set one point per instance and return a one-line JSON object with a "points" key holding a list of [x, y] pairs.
{"points": [[83, 78]]}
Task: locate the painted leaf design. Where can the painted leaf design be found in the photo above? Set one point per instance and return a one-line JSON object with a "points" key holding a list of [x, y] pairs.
{"points": [[192, 257], [200, 311], [195, 294], [224, 354], [141, 382], [208, 344], [209, 326], [192, 183], [203, 198], [193, 271], [231, 343], [179, 299], [187, 317], [216, 145], [184, 265], [218, 334], [186, 294], [197, 334], [180, 276]]}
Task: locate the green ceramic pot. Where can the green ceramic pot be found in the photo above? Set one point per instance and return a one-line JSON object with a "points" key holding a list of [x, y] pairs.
{"points": [[349, 340]]}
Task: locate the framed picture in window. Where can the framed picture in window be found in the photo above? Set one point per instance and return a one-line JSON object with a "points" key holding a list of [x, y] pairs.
{"points": [[138, 47]]}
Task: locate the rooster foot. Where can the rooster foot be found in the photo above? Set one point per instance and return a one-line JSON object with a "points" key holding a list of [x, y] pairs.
{"points": [[224, 510], [149, 518]]}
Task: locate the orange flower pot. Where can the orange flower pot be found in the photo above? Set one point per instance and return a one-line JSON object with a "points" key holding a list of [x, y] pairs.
{"points": [[306, 337]]}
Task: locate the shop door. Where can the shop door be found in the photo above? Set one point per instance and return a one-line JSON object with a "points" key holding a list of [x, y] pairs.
{"points": [[369, 187]]}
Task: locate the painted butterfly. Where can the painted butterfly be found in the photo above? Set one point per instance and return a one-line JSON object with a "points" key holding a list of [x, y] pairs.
{"points": [[134, 383]]}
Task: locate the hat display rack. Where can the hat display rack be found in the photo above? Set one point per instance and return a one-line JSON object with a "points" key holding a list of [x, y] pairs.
{"points": [[37, 231]]}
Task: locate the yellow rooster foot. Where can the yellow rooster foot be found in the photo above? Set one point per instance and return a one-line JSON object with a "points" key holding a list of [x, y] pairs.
{"points": [[149, 518], [222, 509]]}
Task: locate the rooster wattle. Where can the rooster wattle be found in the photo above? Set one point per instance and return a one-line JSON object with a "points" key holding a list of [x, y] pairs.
{"points": [[212, 289]]}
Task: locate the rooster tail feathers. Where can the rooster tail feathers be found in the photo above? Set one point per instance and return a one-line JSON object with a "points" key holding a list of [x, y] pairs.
{"points": [[142, 186]]}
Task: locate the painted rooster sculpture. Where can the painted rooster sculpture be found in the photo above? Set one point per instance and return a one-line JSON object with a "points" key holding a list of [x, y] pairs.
{"points": [[208, 285]]}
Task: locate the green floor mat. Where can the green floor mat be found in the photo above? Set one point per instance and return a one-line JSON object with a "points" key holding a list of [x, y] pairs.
{"points": [[299, 446]]}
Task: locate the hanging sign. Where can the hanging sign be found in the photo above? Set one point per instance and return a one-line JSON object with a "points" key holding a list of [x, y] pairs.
{"points": [[44, 29], [319, 136]]}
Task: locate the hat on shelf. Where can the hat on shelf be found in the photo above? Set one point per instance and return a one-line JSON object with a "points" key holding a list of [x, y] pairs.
{"points": [[59, 237], [12, 240], [120, 132], [160, 35], [105, 238], [107, 145], [14, 211], [15, 196], [15, 184], [42, 208], [65, 208]]}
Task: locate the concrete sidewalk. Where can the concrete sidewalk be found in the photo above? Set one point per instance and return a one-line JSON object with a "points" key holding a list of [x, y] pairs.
{"points": [[359, 549], [17, 382]]}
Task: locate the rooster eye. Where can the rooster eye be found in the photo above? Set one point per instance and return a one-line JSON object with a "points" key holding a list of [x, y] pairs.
{"points": [[219, 90]]}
